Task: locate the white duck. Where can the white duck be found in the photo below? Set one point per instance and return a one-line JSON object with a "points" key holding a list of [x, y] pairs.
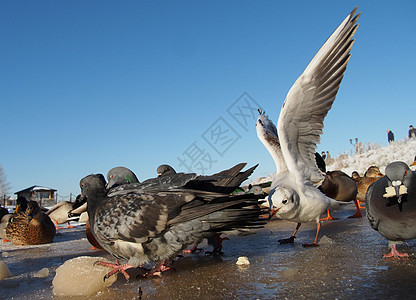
{"points": [[294, 196]]}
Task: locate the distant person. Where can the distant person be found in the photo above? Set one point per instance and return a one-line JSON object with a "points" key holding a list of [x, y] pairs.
{"points": [[328, 156], [323, 155], [412, 132], [390, 136]]}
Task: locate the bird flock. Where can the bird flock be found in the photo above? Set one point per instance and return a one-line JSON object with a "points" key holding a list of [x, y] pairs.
{"points": [[156, 221]]}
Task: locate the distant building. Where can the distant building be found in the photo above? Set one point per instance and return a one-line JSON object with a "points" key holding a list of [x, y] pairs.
{"points": [[43, 195]]}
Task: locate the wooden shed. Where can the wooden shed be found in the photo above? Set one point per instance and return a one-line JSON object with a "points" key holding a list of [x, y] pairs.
{"points": [[43, 195]]}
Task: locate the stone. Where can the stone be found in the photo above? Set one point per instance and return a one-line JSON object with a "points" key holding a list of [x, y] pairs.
{"points": [[79, 277]]}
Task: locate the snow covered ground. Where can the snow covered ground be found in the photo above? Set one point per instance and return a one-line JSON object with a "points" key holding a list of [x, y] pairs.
{"points": [[366, 156]]}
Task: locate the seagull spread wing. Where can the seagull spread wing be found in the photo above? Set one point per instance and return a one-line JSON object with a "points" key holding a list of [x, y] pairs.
{"points": [[301, 119]]}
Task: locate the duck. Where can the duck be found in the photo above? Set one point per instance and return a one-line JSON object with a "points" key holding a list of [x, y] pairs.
{"points": [[371, 175], [341, 187], [21, 205], [60, 213], [30, 226], [294, 195], [391, 206], [4, 220]]}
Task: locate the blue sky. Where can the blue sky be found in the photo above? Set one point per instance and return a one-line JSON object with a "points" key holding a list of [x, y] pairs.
{"points": [[90, 85]]}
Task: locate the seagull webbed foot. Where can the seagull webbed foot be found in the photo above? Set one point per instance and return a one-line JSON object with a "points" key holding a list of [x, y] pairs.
{"points": [[314, 244], [290, 240]]}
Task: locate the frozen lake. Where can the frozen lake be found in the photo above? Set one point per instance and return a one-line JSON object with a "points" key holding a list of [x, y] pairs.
{"points": [[347, 265]]}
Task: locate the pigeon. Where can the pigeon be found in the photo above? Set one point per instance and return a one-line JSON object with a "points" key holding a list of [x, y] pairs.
{"points": [[219, 184], [224, 182], [391, 206], [120, 175], [165, 170], [155, 226], [294, 196]]}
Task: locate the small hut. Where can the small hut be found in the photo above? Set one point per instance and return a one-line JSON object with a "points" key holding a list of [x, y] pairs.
{"points": [[43, 195]]}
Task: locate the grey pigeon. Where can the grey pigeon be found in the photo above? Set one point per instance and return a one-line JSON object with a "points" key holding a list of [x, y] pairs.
{"points": [[216, 185], [155, 226], [224, 182], [119, 176], [391, 205], [165, 170]]}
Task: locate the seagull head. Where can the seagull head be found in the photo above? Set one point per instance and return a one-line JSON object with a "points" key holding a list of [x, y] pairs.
{"points": [[264, 125], [282, 200]]}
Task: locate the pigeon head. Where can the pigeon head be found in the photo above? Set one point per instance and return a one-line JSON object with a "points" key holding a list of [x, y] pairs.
{"points": [[283, 200], [119, 176], [92, 185], [398, 174], [165, 170]]}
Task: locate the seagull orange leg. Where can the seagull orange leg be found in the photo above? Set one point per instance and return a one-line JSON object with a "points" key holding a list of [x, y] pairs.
{"points": [[329, 217], [359, 204], [292, 238], [315, 243], [358, 213]]}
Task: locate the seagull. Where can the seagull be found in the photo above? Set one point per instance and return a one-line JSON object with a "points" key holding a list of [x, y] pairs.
{"points": [[155, 226], [391, 206], [294, 196]]}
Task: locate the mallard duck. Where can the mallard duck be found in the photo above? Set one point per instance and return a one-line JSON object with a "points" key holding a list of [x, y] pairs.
{"points": [[30, 226], [339, 186], [372, 174], [60, 212], [21, 205]]}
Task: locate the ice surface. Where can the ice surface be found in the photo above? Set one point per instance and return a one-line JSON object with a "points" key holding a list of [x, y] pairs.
{"points": [[349, 267], [4, 270], [79, 277]]}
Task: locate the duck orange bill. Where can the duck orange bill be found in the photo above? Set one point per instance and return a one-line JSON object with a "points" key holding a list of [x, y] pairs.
{"points": [[413, 164], [273, 212]]}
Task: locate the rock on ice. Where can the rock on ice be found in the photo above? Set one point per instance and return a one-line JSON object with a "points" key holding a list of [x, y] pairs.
{"points": [[242, 261], [79, 277], [4, 270]]}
